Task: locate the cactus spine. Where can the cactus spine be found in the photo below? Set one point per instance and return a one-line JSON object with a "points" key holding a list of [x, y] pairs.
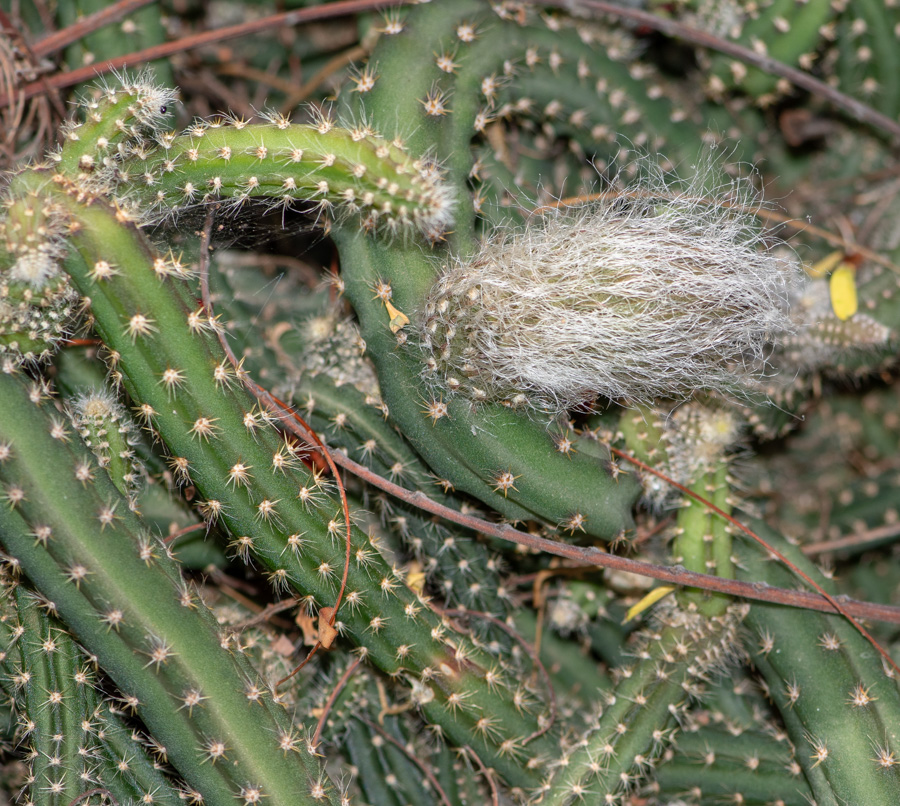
{"points": [[95, 563]]}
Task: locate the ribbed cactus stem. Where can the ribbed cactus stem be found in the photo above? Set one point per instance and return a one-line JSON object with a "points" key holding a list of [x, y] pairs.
{"points": [[703, 541], [42, 668], [118, 119], [75, 740], [118, 590], [839, 702], [37, 305], [748, 767], [110, 434], [334, 171], [634, 724], [252, 480]]}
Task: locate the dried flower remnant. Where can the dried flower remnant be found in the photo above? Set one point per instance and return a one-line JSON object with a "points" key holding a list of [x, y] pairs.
{"points": [[649, 293]]}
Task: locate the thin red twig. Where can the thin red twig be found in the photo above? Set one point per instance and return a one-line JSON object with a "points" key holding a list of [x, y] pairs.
{"points": [[185, 531], [495, 796], [87, 25], [310, 436], [266, 613], [857, 109], [333, 697], [341, 8], [98, 791], [263, 395], [771, 549], [858, 542], [592, 556]]}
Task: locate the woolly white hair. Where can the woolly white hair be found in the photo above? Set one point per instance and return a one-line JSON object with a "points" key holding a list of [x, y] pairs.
{"points": [[644, 294]]}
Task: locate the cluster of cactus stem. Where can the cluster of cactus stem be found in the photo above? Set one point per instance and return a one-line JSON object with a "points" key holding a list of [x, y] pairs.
{"points": [[197, 605]]}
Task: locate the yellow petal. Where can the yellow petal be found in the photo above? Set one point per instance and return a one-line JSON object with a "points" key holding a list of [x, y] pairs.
{"points": [[399, 320], [826, 265], [648, 601], [843, 291]]}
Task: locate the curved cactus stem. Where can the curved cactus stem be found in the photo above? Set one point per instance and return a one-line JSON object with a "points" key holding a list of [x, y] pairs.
{"points": [[219, 438], [337, 171], [121, 595], [839, 704]]}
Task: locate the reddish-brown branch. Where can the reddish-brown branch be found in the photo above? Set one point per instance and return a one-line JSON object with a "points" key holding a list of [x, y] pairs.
{"points": [[333, 697], [341, 8], [309, 436], [91, 793], [857, 542], [495, 796], [855, 108], [194, 527], [93, 22], [592, 556]]}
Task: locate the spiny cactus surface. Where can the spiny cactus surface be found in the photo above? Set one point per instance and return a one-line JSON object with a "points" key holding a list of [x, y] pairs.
{"points": [[568, 278]]}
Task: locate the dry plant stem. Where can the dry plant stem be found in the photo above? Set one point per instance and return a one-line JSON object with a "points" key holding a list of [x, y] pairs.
{"points": [[267, 612], [856, 109], [332, 697], [871, 538], [837, 606], [415, 760], [589, 555], [185, 531], [495, 797], [244, 70], [849, 247], [43, 81], [299, 95], [287, 18], [106, 16]]}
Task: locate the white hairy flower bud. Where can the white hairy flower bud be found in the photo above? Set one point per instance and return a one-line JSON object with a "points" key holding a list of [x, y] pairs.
{"points": [[650, 293]]}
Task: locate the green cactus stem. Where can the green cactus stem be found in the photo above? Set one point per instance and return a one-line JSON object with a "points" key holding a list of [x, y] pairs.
{"points": [[117, 589], [634, 723], [253, 481], [337, 171], [76, 741], [839, 703]]}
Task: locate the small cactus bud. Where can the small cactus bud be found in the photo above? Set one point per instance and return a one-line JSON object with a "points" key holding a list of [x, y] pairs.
{"points": [[107, 430]]}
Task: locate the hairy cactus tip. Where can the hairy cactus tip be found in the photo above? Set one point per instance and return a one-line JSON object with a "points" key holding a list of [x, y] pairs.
{"points": [[652, 292]]}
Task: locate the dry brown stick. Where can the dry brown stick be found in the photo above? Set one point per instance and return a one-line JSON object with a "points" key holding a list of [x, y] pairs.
{"points": [[332, 697], [93, 22], [591, 555], [287, 18], [860, 541], [855, 108]]}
